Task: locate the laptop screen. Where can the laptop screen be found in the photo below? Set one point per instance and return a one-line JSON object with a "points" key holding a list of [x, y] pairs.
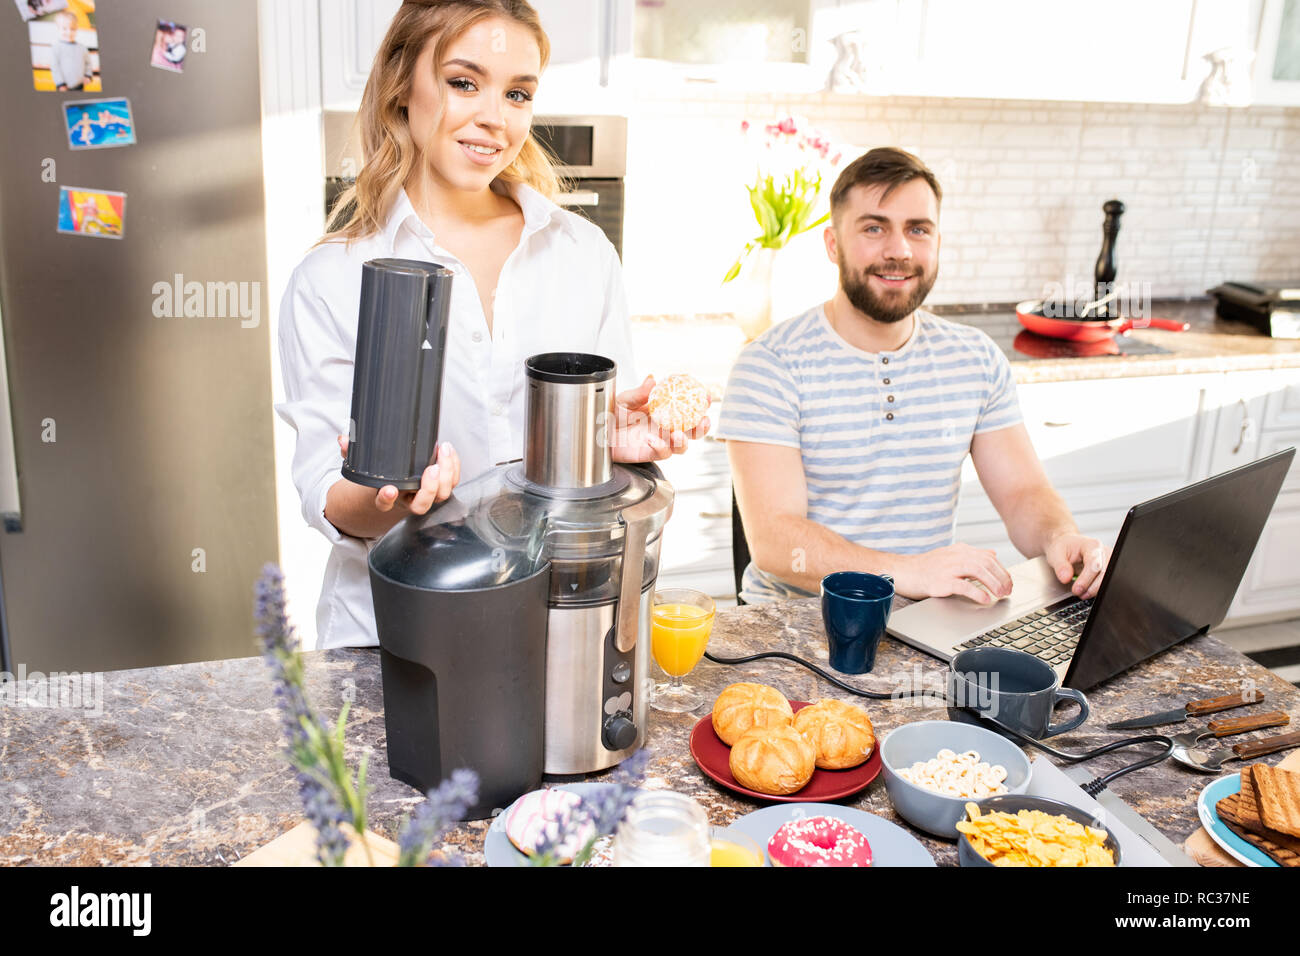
{"points": [[1176, 567]]}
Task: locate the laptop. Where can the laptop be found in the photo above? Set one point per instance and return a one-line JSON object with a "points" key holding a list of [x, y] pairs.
{"points": [[1173, 573]]}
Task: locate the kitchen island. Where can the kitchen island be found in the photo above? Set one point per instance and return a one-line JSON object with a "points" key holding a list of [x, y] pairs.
{"points": [[182, 767]]}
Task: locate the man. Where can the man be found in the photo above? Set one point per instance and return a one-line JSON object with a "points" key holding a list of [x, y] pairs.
{"points": [[847, 426]]}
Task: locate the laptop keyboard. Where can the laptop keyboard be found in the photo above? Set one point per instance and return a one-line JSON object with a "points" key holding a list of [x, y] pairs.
{"points": [[1050, 633]]}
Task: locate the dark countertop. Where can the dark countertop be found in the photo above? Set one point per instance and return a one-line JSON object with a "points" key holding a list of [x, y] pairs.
{"points": [[182, 766]]}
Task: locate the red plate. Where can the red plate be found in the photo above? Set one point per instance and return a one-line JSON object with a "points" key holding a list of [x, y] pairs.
{"points": [[714, 758]]}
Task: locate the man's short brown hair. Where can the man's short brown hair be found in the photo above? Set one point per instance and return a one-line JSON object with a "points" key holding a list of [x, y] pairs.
{"points": [[885, 166]]}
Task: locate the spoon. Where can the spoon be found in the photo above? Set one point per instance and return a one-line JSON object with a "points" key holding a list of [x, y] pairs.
{"points": [[1212, 761]]}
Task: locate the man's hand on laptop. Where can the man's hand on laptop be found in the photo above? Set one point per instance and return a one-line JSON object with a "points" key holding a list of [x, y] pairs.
{"points": [[956, 569], [1071, 553]]}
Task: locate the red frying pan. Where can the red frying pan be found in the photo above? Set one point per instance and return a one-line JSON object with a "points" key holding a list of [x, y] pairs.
{"points": [[1030, 314]]}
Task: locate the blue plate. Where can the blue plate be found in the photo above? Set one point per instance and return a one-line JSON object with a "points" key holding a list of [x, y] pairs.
{"points": [[891, 845], [497, 848], [1219, 832]]}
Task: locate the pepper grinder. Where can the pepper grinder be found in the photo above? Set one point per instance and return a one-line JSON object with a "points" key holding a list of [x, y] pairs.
{"points": [[1105, 271]]}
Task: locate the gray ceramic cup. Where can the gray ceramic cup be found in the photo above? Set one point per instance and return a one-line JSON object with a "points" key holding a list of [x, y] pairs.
{"points": [[1014, 688]]}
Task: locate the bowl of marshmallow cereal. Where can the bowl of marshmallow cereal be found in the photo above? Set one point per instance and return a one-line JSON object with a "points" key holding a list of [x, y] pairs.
{"points": [[933, 768]]}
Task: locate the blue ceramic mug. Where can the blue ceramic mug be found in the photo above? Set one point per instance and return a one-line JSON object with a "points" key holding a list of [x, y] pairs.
{"points": [[855, 610], [1015, 688]]}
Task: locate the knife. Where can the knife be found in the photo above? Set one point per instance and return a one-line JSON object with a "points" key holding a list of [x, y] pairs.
{"points": [[1193, 708], [1233, 725]]}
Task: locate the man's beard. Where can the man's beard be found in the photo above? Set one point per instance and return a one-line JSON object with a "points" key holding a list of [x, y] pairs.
{"points": [[894, 306]]}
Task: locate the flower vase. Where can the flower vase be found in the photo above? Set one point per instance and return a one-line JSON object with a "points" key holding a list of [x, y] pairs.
{"points": [[753, 297]]}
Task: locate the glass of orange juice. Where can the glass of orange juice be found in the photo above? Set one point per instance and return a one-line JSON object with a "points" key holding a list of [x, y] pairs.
{"points": [[680, 623], [729, 847]]}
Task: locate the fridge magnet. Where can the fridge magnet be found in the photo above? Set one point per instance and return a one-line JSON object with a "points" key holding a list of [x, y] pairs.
{"points": [[169, 46], [65, 48], [91, 212], [31, 9], [95, 124]]}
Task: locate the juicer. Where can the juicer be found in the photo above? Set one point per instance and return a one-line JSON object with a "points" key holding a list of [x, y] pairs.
{"points": [[514, 617]]}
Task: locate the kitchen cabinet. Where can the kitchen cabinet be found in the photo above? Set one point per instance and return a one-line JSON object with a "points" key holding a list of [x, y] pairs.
{"points": [[1082, 50], [1277, 54], [1259, 414], [350, 34], [591, 42]]}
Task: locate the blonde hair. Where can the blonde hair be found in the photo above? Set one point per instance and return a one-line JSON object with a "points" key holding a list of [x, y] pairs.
{"points": [[389, 152]]}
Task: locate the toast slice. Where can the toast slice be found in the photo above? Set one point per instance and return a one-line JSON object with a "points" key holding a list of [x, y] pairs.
{"points": [[1277, 795], [1236, 810], [1279, 854]]}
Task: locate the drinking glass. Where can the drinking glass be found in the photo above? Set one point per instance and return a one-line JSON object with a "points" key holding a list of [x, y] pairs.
{"points": [[730, 847], [680, 624]]}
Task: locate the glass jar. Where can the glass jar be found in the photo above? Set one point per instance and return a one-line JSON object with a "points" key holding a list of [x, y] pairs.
{"points": [[663, 829]]}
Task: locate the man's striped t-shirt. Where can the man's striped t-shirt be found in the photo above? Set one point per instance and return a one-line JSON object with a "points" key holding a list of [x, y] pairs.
{"points": [[883, 435]]}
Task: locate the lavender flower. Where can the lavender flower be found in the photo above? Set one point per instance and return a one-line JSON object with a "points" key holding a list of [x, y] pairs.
{"points": [[444, 807], [599, 812], [279, 651], [607, 807], [316, 750], [325, 815]]}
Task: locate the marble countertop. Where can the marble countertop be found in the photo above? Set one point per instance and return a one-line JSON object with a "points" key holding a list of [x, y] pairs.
{"points": [[182, 764], [1210, 344]]}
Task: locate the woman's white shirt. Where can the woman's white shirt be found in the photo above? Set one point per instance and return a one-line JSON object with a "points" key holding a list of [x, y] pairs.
{"points": [[560, 290]]}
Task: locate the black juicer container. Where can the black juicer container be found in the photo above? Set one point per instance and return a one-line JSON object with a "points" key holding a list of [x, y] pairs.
{"points": [[397, 378], [464, 670]]}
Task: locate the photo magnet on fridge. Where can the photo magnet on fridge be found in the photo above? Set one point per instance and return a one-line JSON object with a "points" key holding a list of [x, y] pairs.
{"points": [[31, 9], [91, 212], [169, 46], [95, 124], [65, 47]]}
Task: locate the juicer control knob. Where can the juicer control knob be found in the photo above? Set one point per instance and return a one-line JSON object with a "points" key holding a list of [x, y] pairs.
{"points": [[619, 732]]}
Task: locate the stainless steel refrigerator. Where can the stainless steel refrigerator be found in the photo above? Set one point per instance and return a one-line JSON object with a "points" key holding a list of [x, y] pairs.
{"points": [[138, 490]]}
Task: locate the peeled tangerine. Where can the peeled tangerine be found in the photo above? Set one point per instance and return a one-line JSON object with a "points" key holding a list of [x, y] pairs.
{"points": [[678, 403]]}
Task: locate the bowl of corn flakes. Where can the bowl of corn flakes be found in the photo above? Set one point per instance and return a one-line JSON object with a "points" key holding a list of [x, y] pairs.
{"points": [[1021, 830]]}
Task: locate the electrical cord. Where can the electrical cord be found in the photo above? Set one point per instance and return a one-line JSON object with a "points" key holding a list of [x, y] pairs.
{"points": [[1091, 788]]}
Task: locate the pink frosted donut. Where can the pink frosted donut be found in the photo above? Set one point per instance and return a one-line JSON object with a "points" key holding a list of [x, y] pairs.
{"points": [[818, 841], [536, 813]]}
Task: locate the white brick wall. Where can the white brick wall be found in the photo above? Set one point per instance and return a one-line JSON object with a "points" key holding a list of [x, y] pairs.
{"points": [[1210, 194]]}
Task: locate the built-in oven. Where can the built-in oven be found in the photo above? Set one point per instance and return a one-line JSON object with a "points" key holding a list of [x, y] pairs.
{"points": [[590, 152]]}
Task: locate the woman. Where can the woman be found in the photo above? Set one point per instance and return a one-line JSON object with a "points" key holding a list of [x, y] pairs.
{"points": [[453, 176]]}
